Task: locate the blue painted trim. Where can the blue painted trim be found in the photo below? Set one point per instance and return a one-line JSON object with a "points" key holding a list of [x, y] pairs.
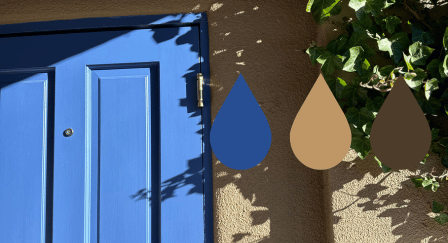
{"points": [[148, 156], [44, 164], [88, 154], [206, 126], [50, 155], [100, 24], [156, 174], [28, 70]]}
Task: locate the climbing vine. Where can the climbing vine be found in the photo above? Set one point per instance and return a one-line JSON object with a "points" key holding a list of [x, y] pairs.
{"points": [[415, 47]]}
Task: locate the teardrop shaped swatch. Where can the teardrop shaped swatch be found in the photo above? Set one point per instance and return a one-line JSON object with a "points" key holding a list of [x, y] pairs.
{"points": [[240, 136], [320, 134], [400, 136]]}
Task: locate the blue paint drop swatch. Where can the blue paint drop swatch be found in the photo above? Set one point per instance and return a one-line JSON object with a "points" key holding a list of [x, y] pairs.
{"points": [[240, 136]]}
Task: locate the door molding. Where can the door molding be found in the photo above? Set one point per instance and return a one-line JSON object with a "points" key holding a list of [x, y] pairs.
{"points": [[144, 22]]}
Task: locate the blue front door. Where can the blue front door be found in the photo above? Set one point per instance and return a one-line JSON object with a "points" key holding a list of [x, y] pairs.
{"points": [[100, 137]]}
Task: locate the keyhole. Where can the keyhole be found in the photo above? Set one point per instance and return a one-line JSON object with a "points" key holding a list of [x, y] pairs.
{"points": [[68, 132]]}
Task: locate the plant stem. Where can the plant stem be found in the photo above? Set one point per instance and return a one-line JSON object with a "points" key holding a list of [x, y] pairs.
{"points": [[416, 15]]}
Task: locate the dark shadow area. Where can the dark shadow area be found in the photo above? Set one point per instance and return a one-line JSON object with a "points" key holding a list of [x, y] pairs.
{"points": [[191, 177], [239, 237]]}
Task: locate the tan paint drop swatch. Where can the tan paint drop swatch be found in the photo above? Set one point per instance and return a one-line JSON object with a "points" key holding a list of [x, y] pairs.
{"points": [[320, 135], [400, 136]]}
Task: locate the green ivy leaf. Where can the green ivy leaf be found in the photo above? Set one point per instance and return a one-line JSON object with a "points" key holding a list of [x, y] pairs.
{"points": [[395, 45], [391, 23], [324, 56], [445, 107], [407, 60], [430, 86], [441, 219], [330, 62], [363, 19], [339, 45], [434, 134], [322, 9], [356, 133], [359, 117], [385, 71], [424, 160], [417, 182], [431, 106], [434, 186], [427, 182], [437, 207], [374, 105], [415, 79], [419, 35], [445, 67], [314, 53], [370, 6], [445, 39], [308, 5], [362, 146], [351, 58], [443, 70], [383, 167], [362, 66], [336, 85], [357, 39], [353, 93], [366, 128], [368, 51], [336, 9], [357, 4], [419, 53], [334, 62], [433, 68]]}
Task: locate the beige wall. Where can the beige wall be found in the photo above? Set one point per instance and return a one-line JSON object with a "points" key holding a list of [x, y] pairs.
{"points": [[280, 200]]}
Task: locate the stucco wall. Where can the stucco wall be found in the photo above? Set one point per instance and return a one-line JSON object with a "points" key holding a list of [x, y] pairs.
{"points": [[280, 200]]}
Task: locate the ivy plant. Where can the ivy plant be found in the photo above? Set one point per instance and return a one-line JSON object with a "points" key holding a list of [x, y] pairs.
{"points": [[416, 48]]}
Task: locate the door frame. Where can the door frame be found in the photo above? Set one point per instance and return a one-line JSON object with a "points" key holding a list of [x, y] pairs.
{"points": [[145, 22]]}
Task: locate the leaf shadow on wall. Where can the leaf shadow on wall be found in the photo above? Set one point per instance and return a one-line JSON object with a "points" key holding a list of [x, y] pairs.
{"points": [[403, 204]]}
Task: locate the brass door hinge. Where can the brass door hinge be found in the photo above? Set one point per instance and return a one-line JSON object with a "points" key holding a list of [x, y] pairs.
{"points": [[200, 83]]}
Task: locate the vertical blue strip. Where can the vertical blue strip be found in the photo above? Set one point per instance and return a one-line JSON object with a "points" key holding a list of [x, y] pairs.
{"points": [[148, 165], [44, 165], [87, 161]]}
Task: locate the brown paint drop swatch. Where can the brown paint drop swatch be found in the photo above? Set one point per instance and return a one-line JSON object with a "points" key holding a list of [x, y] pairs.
{"points": [[320, 135], [400, 136]]}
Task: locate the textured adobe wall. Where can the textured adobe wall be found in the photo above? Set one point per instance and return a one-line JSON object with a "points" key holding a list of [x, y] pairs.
{"points": [[279, 200], [383, 207]]}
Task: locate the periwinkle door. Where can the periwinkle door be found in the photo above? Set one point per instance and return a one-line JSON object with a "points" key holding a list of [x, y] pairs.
{"points": [[132, 170]]}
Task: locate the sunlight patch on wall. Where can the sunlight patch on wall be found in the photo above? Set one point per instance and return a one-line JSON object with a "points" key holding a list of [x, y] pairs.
{"points": [[216, 52], [216, 6], [196, 7]]}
